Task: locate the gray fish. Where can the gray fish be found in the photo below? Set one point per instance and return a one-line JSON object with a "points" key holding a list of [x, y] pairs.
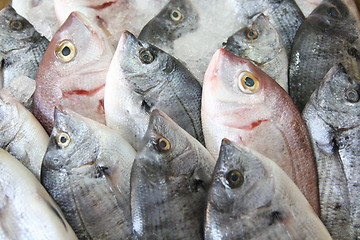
{"points": [[330, 34], [21, 134], [142, 77], [86, 169], [21, 47], [332, 116], [169, 181], [261, 43], [27, 210], [251, 197]]}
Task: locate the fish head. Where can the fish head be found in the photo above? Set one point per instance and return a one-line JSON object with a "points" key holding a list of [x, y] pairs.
{"points": [[241, 184], [174, 20], [68, 139], [338, 98]]}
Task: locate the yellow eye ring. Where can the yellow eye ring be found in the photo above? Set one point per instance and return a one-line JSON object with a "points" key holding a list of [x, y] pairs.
{"points": [[248, 83], [234, 179], [62, 140], [146, 56], [16, 25], [352, 95], [334, 12], [65, 51], [252, 34], [175, 15], [162, 145]]}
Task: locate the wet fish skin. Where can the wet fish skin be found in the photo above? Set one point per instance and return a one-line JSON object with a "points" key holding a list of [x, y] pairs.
{"points": [[92, 171], [134, 88], [76, 80], [333, 123], [21, 46], [329, 35], [168, 187], [264, 119], [164, 28], [264, 48], [27, 210], [252, 198], [21, 134]]}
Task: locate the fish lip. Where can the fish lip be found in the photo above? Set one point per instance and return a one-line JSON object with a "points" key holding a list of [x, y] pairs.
{"points": [[126, 41]]}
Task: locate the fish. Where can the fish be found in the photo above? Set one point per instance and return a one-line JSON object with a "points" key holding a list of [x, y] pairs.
{"points": [[73, 71], [86, 169], [112, 16], [330, 34], [251, 197], [242, 103], [21, 47], [27, 210], [307, 6], [141, 78], [169, 180], [261, 43], [21, 134], [332, 117]]}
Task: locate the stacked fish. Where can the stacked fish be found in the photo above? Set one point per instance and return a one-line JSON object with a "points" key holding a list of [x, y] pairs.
{"points": [[180, 119]]}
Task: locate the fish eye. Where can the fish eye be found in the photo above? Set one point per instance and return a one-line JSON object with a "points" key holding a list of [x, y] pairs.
{"points": [[16, 25], [62, 140], [162, 145], [146, 56], [334, 12], [234, 179], [176, 15], [65, 51], [248, 83], [252, 34], [352, 95]]}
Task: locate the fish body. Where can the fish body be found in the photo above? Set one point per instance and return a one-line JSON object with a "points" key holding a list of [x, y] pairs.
{"points": [[329, 35], [332, 117], [261, 43], [240, 102], [21, 47], [21, 134], [141, 78], [27, 210], [86, 169], [169, 181], [73, 71], [252, 198]]}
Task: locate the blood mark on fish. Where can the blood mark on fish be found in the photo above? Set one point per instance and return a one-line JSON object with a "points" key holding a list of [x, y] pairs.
{"points": [[82, 92], [250, 126], [102, 6]]}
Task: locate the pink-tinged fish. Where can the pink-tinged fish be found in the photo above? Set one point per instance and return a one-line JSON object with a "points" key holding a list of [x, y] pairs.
{"points": [[242, 103], [72, 72], [113, 15]]}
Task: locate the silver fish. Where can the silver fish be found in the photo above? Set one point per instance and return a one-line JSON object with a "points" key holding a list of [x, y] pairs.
{"points": [[330, 34], [251, 197], [261, 43], [27, 210], [86, 169], [21, 134], [21, 47], [142, 77], [332, 117], [169, 180]]}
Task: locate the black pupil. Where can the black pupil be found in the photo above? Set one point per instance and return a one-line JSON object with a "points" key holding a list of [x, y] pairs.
{"points": [[351, 95], [66, 51], [251, 34], [162, 144], [175, 15], [249, 82], [234, 177], [146, 56], [63, 139], [16, 24], [334, 12]]}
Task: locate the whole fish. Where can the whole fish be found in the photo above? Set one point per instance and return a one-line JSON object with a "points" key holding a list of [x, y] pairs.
{"points": [[332, 116], [261, 43], [73, 71], [113, 16], [21, 47], [330, 34], [27, 210], [86, 169], [21, 134], [169, 182], [240, 102], [252, 198], [141, 78]]}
